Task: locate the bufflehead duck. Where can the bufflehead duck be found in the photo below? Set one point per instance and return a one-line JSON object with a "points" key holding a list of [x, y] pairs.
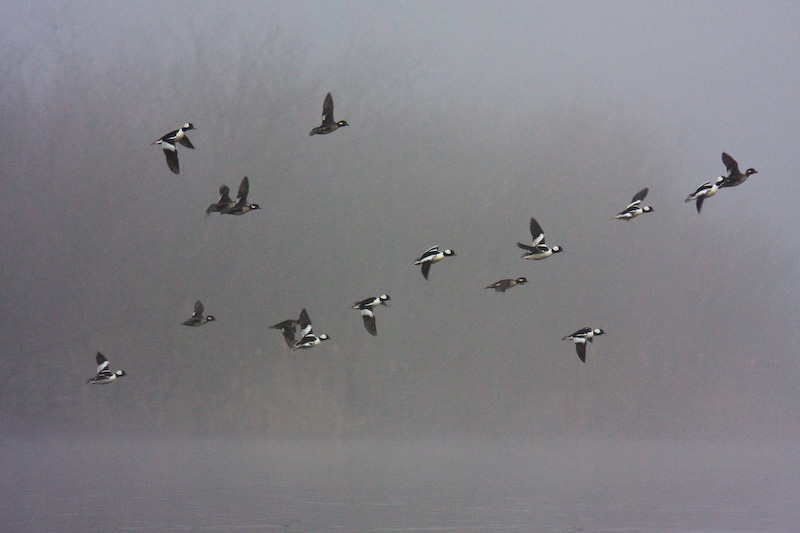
{"points": [[197, 317], [580, 337], [704, 191], [368, 314], [539, 250], [168, 141], [104, 375], [224, 204], [432, 255], [287, 327], [735, 177], [242, 206], [307, 337], [505, 284], [328, 124], [635, 208]]}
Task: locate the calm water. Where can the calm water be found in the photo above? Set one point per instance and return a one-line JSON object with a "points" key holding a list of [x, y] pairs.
{"points": [[385, 485]]}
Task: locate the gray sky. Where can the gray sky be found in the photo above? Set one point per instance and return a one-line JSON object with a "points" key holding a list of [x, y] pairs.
{"points": [[465, 120]]}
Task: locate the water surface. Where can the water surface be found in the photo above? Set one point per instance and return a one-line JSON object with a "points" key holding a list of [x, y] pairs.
{"points": [[68, 484]]}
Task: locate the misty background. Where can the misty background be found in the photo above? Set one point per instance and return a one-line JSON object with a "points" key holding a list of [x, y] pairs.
{"points": [[466, 119]]}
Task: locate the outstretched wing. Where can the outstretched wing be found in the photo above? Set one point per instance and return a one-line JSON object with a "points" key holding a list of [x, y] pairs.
{"points": [[700, 200], [290, 324], [244, 188], [224, 203], [288, 336], [198, 309], [327, 110], [305, 323], [184, 141], [730, 164], [369, 321], [171, 154], [426, 267], [639, 196], [580, 347], [536, 232], [102, 362]]}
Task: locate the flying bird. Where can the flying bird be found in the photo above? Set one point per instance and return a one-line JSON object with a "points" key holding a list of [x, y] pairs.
{"points": [[224, 204], [580, 337], [167, 143], [432, 255], [635, 208], [307, 337], [539, 250], [242, 206], [704, 191], [735, 177], [366, 307], [104, 375], [287, 327], [504, 284], [197, 317], [328, 124]]}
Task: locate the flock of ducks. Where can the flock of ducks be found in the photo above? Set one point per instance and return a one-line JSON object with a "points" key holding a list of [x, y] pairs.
{"points": [[537, 250]]}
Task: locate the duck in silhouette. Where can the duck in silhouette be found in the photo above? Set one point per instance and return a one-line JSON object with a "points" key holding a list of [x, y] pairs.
{"points": [[635, 208], [167, 143], [241, 207], [104, 375], [197, 317], [504, 284], [329, 125], [367, 309], [539, 250], [735, 177], [580, 337], [307, 337], [706, 190], [432, 255]]}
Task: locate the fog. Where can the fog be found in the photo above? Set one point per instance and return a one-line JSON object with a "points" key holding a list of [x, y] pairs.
{"points": [[466, 119], [423, 484]]}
